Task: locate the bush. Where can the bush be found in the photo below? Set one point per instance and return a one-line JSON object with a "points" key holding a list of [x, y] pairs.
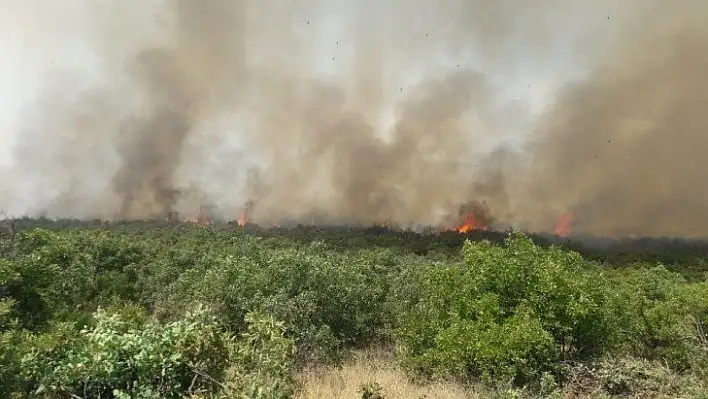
{"points": [[65, 276], [262, 361], [663, 317], [328, 300], [523, 317], [194, 355], [10, 341], [119, 358], [506, 313], [632, 377]]}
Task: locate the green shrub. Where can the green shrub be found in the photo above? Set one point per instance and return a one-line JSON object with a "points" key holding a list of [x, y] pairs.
{"points": [[662, 316], [64, 276], [120, 358], [514, 314], [328, 299], [372, 390], [508, 312], [262, 362], [10, 342], [117, 357]]}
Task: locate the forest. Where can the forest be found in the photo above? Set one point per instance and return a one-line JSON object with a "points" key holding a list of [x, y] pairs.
{"points": [[157, 309]]}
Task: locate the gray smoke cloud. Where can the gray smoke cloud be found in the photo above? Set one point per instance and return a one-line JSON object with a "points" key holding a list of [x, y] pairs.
{"points": [[229, 103], [623, 149]]}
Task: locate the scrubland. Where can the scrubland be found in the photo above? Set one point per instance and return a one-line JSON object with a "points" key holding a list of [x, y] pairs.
{"points": [[153, 310]]}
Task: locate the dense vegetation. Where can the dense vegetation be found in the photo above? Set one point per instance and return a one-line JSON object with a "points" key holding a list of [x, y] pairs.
{"points": [[148, 310]]}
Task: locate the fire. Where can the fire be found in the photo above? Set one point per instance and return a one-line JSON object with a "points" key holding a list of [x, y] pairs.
{"points": [[471, 223], [564, 225], [201, 218], [242, 219], [474, 216]]}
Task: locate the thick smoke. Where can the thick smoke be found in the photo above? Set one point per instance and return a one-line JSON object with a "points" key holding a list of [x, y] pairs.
{"points": [[374, 112], [624, 149]]}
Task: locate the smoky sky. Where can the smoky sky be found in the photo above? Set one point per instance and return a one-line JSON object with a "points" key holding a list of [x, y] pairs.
{"points": [[368, 112], [624, 149]]}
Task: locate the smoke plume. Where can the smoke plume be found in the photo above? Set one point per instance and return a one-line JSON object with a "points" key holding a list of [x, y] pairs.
{"points": [[623, 149], [369, 112]]}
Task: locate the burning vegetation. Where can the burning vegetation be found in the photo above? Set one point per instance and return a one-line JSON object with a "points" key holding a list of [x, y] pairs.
{"points": [[475, 216], [201, 218], [564, 225]]}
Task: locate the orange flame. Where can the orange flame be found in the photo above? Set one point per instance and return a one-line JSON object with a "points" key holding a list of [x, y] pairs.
{"points": [[470, 223], [201, 218], [242, 219], [564, 225]]}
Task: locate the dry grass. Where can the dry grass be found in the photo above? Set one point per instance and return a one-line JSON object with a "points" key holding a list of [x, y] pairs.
{"points": [[368, 367]]}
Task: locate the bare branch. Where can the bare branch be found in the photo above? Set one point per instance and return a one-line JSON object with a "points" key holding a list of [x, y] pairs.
{"points": [[208, 377]]}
